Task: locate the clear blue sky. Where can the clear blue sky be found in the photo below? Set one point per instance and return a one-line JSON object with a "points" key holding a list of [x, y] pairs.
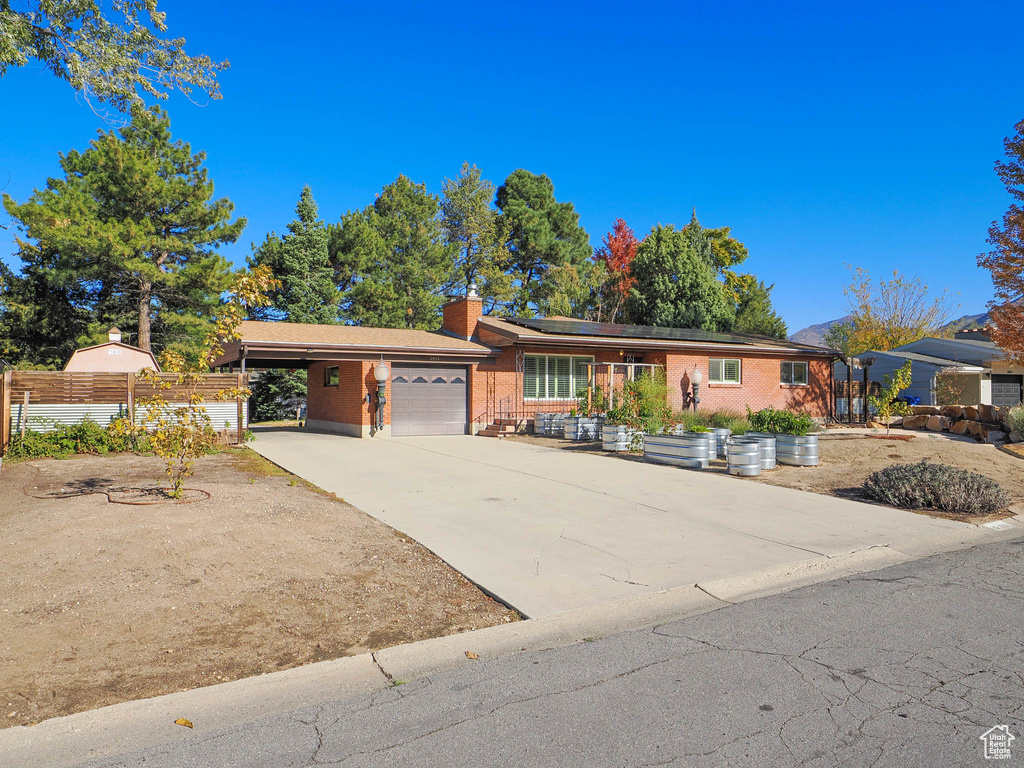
{"points": [[824, 134]]}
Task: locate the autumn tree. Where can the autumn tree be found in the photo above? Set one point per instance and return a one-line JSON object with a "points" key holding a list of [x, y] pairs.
{"points": [[616, 254], [114, 54], [129, 234], [543, 235], [1006, 259], [889, 314], [478, 236]]}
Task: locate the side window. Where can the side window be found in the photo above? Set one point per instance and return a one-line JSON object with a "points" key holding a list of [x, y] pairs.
{"points": [[331, 376]]}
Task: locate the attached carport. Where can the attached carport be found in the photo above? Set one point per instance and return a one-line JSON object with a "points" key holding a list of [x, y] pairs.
{"points": [[428, 390]]}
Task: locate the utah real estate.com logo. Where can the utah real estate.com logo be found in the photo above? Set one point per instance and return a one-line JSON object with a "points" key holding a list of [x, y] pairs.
{"points": [[997, 742]]}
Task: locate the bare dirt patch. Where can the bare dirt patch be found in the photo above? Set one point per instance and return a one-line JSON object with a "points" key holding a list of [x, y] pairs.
{"points": [[106, 602]]}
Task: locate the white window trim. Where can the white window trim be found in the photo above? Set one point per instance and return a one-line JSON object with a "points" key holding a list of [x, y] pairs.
{"points": [[807, 373], [572, 378], [739, 371]]}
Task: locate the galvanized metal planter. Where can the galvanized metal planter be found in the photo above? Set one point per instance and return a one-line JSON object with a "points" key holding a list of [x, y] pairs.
{"points": [[619, 437], [767, 442], [722, 434], [549, 424], [797, 450], [582, 427], [743, 457], [689, 450]]}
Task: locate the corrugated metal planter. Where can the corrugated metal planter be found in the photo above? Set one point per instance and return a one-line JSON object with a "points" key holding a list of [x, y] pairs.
{"points": [[689, 450], [743, 457], [710, 440], [619, 437], [722, 434], [767, 442], [582, 427], [549, 424], [797, 450]]}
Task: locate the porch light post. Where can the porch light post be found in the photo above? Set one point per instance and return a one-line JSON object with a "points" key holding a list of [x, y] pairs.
{"points": [[381, 373], [696, 377]]}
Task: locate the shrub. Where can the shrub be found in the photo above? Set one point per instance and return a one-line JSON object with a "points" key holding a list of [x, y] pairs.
{"points": [[693, 421], [780, 422], [643, 404], [1015, 419], [735, 422], [937, 486], [68, 439]]}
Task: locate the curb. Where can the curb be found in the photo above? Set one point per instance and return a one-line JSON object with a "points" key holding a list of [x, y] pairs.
{"points": [[134, 725]]}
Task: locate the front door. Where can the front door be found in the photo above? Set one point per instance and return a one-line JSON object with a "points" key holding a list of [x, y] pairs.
{"points": [[428, 401]]}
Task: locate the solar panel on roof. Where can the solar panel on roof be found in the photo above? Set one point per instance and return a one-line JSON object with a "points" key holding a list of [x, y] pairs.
{"points": [[589, 328]]}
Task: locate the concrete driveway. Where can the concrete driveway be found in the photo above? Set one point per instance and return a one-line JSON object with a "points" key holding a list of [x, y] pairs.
{"points": [[549, 530]]}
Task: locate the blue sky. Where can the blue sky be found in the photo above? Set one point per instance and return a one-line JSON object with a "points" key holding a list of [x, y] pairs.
{"points": [[824, 134]]}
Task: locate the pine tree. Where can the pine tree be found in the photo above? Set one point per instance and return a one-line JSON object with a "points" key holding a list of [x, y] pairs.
{"points": [[755, 314], [129, 234], [300, 261]]}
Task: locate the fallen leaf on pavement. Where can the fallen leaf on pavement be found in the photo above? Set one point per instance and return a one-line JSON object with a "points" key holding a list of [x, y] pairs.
{"points": [[183, 721], [471, 655]]}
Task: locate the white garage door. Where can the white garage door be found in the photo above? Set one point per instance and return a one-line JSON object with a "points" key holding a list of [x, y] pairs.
{"points": [[428, 401]]}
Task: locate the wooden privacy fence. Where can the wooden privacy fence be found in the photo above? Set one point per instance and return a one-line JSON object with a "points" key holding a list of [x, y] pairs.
{"points": [[843, 397], [41, 399]]}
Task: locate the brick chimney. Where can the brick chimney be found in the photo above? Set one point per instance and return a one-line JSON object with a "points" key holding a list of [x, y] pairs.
{"points": [[461, 314]]}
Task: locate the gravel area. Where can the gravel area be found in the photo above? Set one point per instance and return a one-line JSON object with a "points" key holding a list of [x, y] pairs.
{"points": [[106, 602]]}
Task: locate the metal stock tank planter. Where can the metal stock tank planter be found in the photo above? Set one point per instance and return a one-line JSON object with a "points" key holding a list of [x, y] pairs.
{"points": [[722, 434], [687, 450], [618, 437], [743, 456], [797, 450], [549, 424], [766, 441], [582, 427]]}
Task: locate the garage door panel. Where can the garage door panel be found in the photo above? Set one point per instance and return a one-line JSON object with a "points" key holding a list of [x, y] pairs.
{"points": [[428, 401]]}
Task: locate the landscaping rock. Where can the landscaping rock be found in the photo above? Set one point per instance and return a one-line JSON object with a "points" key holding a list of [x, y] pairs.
{"points": [[970, 413], [1016, 437], [915, 422], [987, 413], [959, 428], [875, 425], [974, 429], [995, 436], [951, 411], [925, 410], [936, 424]]}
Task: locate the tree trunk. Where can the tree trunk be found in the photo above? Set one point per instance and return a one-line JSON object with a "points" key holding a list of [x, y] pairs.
{"points": [[145, 314]]}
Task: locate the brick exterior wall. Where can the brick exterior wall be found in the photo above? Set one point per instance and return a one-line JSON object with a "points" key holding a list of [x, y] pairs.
{"points": [[343, 408], [460, 316]]}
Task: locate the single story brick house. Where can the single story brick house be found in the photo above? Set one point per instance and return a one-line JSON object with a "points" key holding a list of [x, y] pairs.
{"points": [[480, 369]]}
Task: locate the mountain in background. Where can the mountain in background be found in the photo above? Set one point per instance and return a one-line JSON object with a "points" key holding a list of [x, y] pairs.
{"points": [[815, 334]]}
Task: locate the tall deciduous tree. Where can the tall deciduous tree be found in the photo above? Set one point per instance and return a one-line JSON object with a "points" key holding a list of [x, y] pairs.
{"points": [[676, 287], [397, 248], [617, 254], [129, 235], [478, 235], [889, 314], [543, 234], [113, 55], [1006, 259], [300, 262]]}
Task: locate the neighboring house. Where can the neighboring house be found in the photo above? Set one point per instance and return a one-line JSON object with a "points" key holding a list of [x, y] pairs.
{"points": [[113, 356], [981, 374], [479, 369]]}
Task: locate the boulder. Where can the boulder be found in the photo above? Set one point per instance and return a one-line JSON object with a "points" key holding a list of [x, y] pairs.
{"points": [[995, 436], [970, 413], [959, 428], [936, 424], [925, 410], [897, 421], [875, 425], [915, 422], [987, 413], [951, 411], [1016, 437], [974, 429]]}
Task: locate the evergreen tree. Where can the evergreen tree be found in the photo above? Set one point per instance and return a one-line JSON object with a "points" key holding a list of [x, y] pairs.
{"points": [[127, 237], [544, 234], [405, 264], [300, 261], [755, 314], [675, 287], [477, 235]]}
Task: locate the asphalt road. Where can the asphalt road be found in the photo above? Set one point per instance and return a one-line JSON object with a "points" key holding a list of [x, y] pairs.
{"points": [[906, 667]]}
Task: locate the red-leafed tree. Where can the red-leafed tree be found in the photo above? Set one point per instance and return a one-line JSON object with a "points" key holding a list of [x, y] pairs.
{"points": [[1006, 260], [617, 254]]}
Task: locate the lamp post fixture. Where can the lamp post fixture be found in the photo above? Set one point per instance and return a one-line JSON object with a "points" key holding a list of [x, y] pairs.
{"points": [[381, 372], [696, 377]]}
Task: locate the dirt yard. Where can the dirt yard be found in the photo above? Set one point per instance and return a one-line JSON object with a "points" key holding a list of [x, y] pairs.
{"points": [[106, 602], [846, 463]]}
